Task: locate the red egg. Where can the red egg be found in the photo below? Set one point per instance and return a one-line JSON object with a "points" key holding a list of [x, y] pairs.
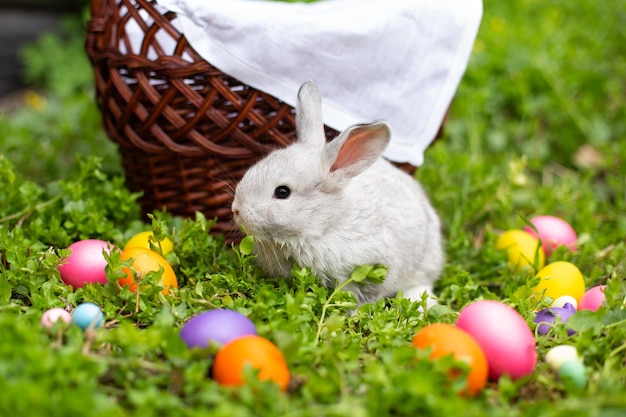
{"points": [[86, 263], [503, 335], [553, 233]]}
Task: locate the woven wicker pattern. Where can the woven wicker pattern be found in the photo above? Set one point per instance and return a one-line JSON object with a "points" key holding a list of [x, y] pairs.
{"points": [[187, 132]]}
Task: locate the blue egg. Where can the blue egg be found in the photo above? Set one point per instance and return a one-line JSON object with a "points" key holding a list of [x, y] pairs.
{"points": [[86, 315]]}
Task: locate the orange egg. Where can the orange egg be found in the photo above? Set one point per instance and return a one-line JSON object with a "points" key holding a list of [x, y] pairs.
{"points": [[144, 261], [256, 352], [446, 339]]}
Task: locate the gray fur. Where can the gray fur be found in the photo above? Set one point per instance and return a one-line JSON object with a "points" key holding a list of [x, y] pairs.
{"points": [[343, 211]]}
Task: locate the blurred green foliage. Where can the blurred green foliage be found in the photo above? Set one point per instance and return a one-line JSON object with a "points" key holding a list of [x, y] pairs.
{"points": [[544, 80], [60, 119]]}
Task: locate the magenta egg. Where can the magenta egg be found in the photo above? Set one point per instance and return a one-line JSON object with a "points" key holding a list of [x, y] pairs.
{"points": [[218, 326], [86, 263], [553, 233], [593, 298], [505, 338]]}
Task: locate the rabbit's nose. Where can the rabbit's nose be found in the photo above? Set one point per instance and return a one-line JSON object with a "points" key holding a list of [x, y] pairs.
{"points": [[236, 211]]}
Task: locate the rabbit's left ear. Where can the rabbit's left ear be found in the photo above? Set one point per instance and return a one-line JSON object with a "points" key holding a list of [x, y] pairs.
{"points": [[309, 121], [356, 149]]}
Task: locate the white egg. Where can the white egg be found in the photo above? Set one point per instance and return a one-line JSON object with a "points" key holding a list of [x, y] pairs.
{"points": [[560, 354], [565, 299]]}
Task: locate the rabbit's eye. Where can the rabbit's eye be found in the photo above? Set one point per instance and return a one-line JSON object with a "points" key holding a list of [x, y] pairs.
{"points": [[282, 192]]}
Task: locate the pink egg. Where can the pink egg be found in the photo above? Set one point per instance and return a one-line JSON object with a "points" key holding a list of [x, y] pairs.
{"points": [[503, 335], [593, 298], [86, 263], [553, 232], [53, 315]]}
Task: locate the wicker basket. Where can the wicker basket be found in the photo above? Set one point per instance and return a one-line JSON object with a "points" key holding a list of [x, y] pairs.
{"points": [[187, 132]]}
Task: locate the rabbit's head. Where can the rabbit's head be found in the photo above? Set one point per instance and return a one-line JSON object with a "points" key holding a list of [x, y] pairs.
{"points": [[297, 192]]}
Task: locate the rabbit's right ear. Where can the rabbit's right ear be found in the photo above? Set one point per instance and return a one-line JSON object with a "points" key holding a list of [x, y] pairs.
{"points": [[356, 149], [309, 121]]}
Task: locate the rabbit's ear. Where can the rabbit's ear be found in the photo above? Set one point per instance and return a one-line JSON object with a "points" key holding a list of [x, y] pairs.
{"points": [[356, 149], [309, 121]]}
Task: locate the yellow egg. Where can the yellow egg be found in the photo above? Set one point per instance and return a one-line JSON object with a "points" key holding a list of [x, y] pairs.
{"points": [[142, 240], [559, 279], [522, 248]]}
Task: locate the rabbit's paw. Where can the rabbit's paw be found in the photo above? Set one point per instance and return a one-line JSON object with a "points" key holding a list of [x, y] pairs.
{"points": [[416, 294]]}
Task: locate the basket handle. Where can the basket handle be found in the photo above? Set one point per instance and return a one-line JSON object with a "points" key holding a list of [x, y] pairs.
{"points": [[96, 26], [96, 5]]}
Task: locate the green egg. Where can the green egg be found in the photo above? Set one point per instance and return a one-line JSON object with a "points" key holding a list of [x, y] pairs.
{"points": [[573, 371]]}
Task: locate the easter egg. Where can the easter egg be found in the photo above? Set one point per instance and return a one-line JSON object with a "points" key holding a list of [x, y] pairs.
{"points": [[522, 248], [53, 315], [546, 318], [446, 339], [553, 232], [573, 371], [560, 354], [565, 299], [503, 335], [87, 315], [254, 351], [144, 261], [593, 298], [559, 279], [144, 240], [86, 263], [216, 326]]}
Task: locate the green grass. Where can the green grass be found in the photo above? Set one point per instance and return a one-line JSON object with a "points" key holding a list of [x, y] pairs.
{"points": [[544, 90]]}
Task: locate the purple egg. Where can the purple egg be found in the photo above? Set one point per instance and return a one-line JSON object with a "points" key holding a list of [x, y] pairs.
{"points": [[216, 326], [546, 318]]}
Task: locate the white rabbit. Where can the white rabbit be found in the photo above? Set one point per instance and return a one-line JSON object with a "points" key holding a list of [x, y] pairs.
{"points": [[338, 205]]}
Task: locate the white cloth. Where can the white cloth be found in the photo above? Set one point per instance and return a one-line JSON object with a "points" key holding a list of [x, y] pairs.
{"points": [[395, 60]]}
